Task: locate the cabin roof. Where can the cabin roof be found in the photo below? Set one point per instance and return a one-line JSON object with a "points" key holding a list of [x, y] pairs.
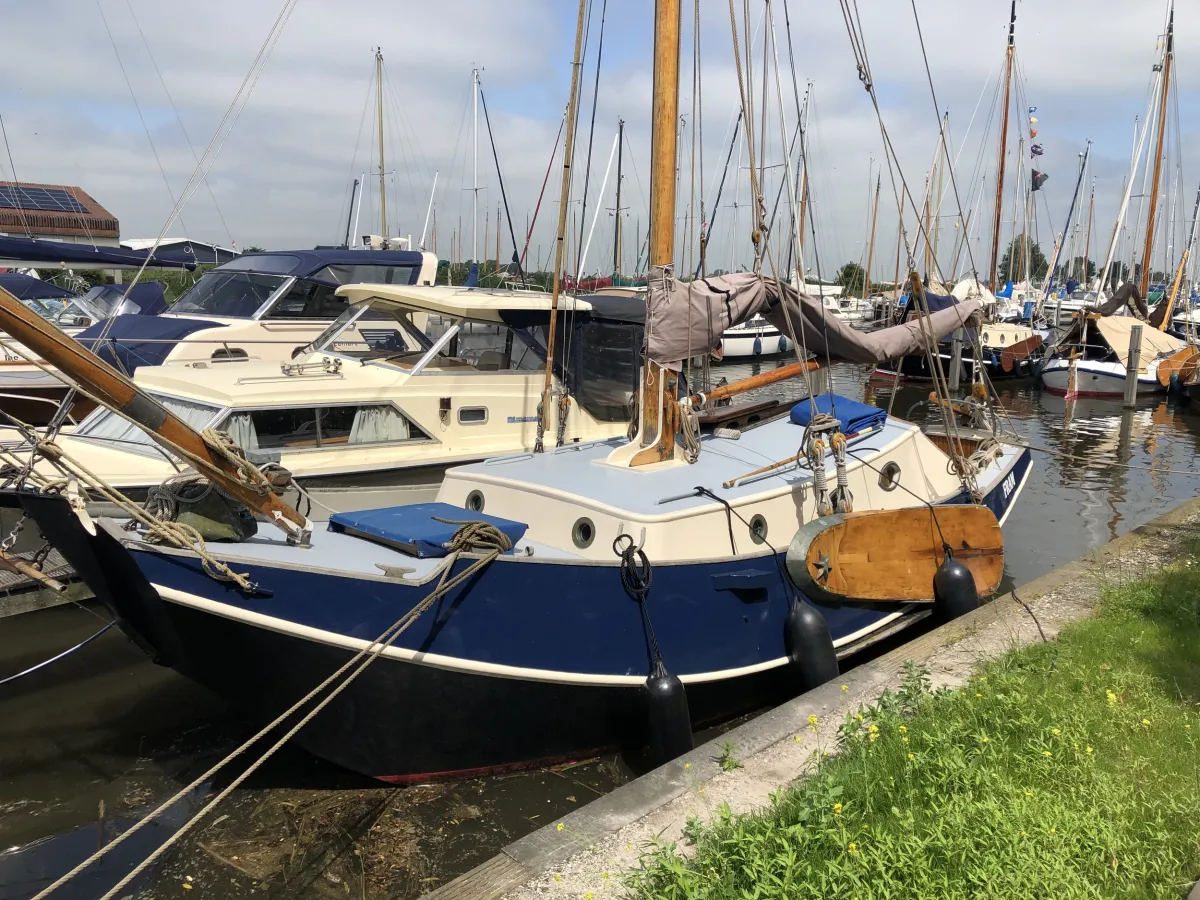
{"points": [[1155, 343], [479, 304], [262, 384]]}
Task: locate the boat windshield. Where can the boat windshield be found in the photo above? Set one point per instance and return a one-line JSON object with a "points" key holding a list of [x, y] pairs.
{"points": [[232, 294], [106, 426], [381, 331]]}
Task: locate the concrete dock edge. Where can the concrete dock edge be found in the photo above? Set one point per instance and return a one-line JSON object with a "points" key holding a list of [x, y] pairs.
{"points": [[534, 854]]}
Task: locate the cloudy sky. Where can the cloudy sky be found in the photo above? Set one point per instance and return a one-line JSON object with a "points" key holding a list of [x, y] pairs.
{"points": [[284, 176]]}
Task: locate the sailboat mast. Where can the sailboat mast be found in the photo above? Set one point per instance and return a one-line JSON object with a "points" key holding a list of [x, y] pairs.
{"points": [[383, 229], [871, 243], [560, 236], [1008, 67], [1087, 239], [475, 175], [617, 232], [1159, 150], [1183, 260]]}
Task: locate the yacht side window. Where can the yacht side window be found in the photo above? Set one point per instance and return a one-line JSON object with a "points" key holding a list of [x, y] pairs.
{"points": [[309, 428], [306, 300]]}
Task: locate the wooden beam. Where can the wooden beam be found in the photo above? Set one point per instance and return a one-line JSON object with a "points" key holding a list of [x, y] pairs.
{"points": [[117, 392], [755, 381]]}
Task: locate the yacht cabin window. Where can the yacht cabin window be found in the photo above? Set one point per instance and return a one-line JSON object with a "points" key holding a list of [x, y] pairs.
{"points": [[105, 425], [307, 300], [308, 428]]}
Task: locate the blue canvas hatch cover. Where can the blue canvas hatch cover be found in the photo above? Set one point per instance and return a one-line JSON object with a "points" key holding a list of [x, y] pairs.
{"points": [[134, 341], [855, 417], [414, 529]]}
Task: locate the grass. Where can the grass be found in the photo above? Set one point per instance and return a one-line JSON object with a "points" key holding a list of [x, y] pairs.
{"points": [[1062, 770]]}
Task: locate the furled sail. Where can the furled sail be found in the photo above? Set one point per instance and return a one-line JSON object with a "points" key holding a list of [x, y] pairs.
{"points": [[686, 319]]}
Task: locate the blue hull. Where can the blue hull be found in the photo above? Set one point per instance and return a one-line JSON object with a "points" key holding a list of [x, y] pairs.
{"points": [[531, 660]]}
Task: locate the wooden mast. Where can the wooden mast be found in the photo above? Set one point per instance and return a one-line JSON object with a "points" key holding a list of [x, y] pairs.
{"points": [[1158, 155], [617, 232], [383, 229], [1187, 250], [119, 393], [1008, 67], [565, 196], [871, 243], [659, 409]]}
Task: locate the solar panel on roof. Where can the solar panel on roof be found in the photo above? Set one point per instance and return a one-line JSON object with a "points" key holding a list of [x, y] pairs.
{"points": [[44, 199]]}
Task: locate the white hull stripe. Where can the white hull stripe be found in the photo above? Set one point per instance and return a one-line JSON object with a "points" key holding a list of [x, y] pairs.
{"points": [[495, 670]]}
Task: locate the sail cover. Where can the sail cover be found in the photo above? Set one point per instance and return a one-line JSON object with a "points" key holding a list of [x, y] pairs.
{"points": [[686, 319]]}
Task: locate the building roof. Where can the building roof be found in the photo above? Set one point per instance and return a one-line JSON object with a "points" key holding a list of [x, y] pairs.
{"points": [[54, 209], [183, 249]]}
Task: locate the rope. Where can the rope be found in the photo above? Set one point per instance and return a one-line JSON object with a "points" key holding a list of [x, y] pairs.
{"points": [[843, 500], [636, 577], [689, 427], [57, 657], [471, 537]]}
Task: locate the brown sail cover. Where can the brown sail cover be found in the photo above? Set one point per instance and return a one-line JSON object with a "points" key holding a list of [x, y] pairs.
{"points": [[686, 319]]}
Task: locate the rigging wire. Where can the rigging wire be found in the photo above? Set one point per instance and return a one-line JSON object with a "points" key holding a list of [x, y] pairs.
{"points": [[187, 138], [16, 183]]}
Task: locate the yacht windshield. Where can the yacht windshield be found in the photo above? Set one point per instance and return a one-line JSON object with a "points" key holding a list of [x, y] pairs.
{"points": [[236, 295], [105, 425], [369, 330]]}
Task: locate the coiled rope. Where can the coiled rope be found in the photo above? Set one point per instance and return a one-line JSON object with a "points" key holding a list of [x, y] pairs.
{"points": [[470, 537]]}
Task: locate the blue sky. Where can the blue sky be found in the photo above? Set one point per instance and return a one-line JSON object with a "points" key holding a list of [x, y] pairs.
{"points": [[283, 179]]}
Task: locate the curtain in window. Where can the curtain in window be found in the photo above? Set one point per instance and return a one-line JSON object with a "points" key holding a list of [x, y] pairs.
{"points": [[240, 428], [108, 425], [375, 424]]}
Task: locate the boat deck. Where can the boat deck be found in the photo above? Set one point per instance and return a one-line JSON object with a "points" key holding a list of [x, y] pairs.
{"points": [[659, 489]]}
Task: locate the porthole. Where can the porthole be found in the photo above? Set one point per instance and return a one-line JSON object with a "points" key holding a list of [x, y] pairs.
{"points": [[758, 529], [474, 501], [472, 415], [889, 476], [583, 532]]}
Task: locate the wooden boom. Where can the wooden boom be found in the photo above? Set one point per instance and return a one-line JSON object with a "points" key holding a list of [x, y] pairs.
{"points": [[783, 373], [117, 392]]}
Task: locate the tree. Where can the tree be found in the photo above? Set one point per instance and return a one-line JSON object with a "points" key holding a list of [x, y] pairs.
{"points": [[253, 248], [1038, 263], [852, 278]]}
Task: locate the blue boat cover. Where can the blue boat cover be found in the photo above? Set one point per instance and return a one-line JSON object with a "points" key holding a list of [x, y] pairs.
{"points": [[26, 287], [414, 529], [38, 251], [855, 417], [134, 341]]}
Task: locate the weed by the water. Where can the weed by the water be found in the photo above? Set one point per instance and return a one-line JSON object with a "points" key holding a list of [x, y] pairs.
{"points": [[727, 761], [1077, 780]]}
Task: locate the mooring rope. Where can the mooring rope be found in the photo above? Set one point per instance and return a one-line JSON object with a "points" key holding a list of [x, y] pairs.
{"points": [[58, 656], [470, 537]]}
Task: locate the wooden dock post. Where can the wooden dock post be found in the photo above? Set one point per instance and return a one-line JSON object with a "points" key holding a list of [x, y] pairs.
{"points": [[1133, 365], [956, 348]]}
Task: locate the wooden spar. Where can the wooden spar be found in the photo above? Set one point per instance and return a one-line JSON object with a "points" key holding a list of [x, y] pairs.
{"points": [[119, 393], [755, 381], [1187, 251], [943, 162], [24, 567], [383, 232], [617, 225], [1087, 240], [660, 412], [1008, 67], [564, 202], [1158, 155], [871, 243]]}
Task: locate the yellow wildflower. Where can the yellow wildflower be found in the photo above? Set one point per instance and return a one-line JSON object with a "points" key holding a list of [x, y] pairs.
{"points": [[873, 736], [904, 740], [983, 739], [1029, 793], [979, 695], [845, 687], [687, 765], [837, 809], [1089, 750], [795, 738], [812, 721], [1145, 723], [1047, 753], [910, 756], [1052, 829], [1056, 732], [587, 896], [859, 716], [557, 877], [604, 876], [853, 848], [559, 827], [873, 728], [903, 729], [1112, 698], [1187, 725]]}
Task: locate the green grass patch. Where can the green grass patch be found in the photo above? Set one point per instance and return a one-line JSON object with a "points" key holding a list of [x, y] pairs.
{"points": [[1062, 770]]}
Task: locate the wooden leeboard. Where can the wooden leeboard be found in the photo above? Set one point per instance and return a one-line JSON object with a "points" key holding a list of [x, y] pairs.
{"points": [[1018, 351], [1176, 363], [893, 554]]}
